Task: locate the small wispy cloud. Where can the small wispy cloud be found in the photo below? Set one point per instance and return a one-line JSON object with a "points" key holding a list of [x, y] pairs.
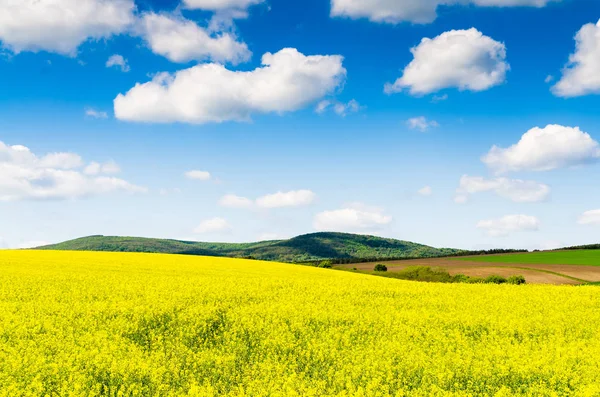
{"points": [[421, 123], [95, 114], [118, 61], [340, 108]]}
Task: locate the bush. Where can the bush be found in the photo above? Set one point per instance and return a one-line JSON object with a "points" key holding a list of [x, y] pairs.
{"points": [[381, 268], [461, 278], [516, 280], [326, 264], [476, 280], [423, 273], [495, 280]]}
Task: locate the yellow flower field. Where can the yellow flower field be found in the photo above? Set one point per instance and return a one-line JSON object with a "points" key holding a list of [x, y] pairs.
{"points": [[112, 324]]}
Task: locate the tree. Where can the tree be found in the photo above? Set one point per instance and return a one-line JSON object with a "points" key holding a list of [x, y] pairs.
{"points": [[380, 268]]}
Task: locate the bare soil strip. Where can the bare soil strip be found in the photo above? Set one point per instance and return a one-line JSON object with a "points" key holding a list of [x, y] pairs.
{"points": [[534, 274]]}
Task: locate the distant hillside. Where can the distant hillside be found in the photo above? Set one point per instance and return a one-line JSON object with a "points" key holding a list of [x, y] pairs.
{"points": [[310, 247]]}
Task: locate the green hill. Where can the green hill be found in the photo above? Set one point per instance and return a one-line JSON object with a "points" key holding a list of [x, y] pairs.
{"points": [[310, 247]]}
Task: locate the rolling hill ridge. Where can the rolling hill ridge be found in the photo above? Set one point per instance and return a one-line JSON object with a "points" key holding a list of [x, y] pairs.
{"points": [[306, 248]]}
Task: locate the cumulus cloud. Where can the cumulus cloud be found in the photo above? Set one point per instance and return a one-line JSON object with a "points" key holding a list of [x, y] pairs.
{"points": [[198, 175], [288, 81], [425, 191], [504, 226], [295, 198], [544, 149], [421, 123], [61, 26], [415, 11], [233, 201], [472, 62], [108, 168], [214, 225], [581, 76], [54, 176], [516, 190], [181, 40], [220, 5], [590, 218], [355, 217], [339, 108], [95, 114], [119, 62]]}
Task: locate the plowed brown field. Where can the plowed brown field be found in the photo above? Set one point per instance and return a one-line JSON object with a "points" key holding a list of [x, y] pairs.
{"points": [[534, 274]]}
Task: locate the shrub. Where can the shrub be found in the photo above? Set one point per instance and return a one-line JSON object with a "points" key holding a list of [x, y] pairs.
{"points": [[476, 280], [381, 268], [516, 280], [326, 264], [461, 278], [495, 280], [423, 273]]}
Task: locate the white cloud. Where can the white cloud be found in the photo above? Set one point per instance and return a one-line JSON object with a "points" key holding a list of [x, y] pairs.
{"points": [[198, 175], [581, 76], [323, 106], [472, 61], [220, 5], [352, 218], [297, 198], [590, 218], [425, 191], [61, 25], [439, 98], [118, 61], [206, 93], [421, 123], [549, 79], [96, 114], [233, 201], [214, 225], [108, 168], [516, 190], [416, 11], [181, 40], [544, 149], [54, 176], [339, 108], [509, 224]]}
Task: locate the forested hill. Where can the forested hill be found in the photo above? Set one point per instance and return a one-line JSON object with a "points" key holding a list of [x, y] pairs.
{"points": [[310, 247]]}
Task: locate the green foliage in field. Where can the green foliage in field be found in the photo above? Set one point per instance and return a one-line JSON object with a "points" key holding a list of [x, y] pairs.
{"points": [[439, 275], [311, 247], [119, 324], [574, 257], [381, 268]]}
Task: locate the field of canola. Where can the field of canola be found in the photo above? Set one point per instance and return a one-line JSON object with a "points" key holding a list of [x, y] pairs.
{"points": [[113, 324]]}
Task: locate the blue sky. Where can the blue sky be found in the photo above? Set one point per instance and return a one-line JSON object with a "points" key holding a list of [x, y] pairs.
{"points": [[311, 140]]}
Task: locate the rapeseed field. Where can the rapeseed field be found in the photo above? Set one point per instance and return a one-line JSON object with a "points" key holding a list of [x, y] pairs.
{"points": [[116, 324]]}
